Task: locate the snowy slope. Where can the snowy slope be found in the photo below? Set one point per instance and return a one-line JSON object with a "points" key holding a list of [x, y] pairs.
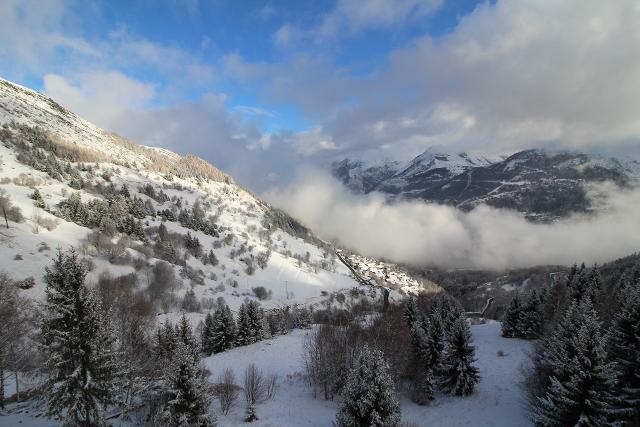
{"points": [[300, 267]]}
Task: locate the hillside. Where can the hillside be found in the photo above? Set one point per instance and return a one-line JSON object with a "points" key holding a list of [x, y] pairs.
{"points": [[108, 197]]}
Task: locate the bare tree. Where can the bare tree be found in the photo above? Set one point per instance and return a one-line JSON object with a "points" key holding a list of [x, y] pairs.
{"points": [[254, 385], [227, 390], [271, 386]]}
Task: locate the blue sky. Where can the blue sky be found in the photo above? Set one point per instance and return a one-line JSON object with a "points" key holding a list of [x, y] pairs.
{"points": [[263, 87]]}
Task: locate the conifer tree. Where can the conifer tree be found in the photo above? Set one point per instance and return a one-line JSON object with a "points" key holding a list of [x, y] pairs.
{"points": [[187, 398], [511, 318], [625, 346], [207, 337], [251, 325], [370, 397], [410, 312], [166, 341], [584, 394], [458, 375], [530, 320], [224, 331], [78, 342], [184, 334], [38, 201], [423, 383]]}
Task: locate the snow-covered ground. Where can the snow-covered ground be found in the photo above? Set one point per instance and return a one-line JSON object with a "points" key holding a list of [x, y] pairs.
{"points": [[498, 400]]}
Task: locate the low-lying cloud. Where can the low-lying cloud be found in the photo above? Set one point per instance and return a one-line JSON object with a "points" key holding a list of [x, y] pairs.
{"points": [[423, 234]]}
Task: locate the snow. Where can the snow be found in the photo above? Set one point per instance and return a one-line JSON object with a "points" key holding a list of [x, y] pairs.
{"points": [[497, 401]]}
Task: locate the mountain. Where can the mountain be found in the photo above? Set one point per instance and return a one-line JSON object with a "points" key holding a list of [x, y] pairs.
{"points": [[542, 185], [110, 198]]}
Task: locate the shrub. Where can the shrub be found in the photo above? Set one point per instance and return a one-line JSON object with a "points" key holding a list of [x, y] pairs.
{"points": [[261, 293]]}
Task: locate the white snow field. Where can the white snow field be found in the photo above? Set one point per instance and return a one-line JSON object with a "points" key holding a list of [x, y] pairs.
{"points": [[498, 400]]}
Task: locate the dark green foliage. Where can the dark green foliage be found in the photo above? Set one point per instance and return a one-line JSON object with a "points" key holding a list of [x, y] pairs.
{"points": [[625, 344], [583, 381], [78, 343], [196, 219], [524, 317], [458, 374], [186, 392], [369, 396], [251, 327], [38, 201]]}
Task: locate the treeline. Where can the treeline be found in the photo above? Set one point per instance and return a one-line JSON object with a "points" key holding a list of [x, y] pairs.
{"points": [[586, 367], [420, 348]]}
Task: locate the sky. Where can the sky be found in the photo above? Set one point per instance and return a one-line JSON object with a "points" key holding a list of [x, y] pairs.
{"points": [[261, 88]]}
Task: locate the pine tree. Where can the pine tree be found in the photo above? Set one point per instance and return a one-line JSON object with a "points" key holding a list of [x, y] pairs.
{"points": [[224, 332], [207, 337], [184, 334], [38, 201], [410, 312], [78, 342], [166, 341], [187, 398], [458, 375], [625, 345], [369, 396], [423, 382], [251, 324], [511, 318], [585, 395], [530, 320]]}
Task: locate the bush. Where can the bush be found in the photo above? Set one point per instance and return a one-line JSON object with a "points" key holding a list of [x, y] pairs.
{"points": [[261, 293]]}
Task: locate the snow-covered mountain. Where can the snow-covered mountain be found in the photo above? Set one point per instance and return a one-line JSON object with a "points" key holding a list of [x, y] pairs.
{"points": [[245, 247], [543, 185]]}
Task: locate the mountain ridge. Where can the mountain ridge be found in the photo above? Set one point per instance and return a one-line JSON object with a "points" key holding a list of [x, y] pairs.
{"points": [[543, 185]]}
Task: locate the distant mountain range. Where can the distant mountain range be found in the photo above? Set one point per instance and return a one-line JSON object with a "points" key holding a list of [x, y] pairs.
{"points": [[542, 185]]}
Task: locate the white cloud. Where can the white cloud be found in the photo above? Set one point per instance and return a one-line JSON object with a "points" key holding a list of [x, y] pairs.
{"points": [[285, 35], [428, 234], [353, 16], [101, 97]]}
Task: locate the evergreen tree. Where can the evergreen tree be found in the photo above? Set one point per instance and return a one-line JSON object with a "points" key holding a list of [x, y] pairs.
{"points": [[369, 396], [251, 325], [530, 320], [625, 345], [187, 398], [584, 396], [511, 318], [459, 375], [410, 312], [184, 334], [224, 331], [207, 337], [78, 342], [423, 382], [166, 341], [38, 201], [244, 333]]}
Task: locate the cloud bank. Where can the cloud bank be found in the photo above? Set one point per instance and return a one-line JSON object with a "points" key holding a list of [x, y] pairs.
{"points": [[423, 234]]}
